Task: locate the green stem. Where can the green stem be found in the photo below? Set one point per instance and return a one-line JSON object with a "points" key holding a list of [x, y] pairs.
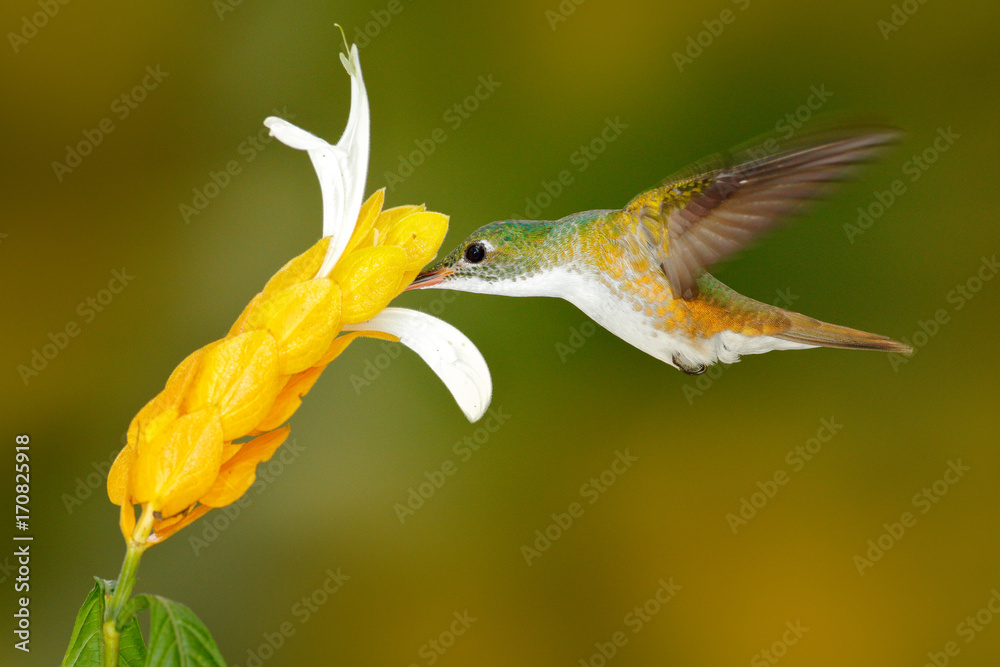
{"points": [[123, 588], [110, 644]]}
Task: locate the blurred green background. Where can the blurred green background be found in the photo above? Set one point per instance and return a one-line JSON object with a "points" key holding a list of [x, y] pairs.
{"points": [[363, 441]]}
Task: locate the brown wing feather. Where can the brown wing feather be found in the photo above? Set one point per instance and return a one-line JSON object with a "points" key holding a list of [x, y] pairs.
{"points": [[723, 203]]}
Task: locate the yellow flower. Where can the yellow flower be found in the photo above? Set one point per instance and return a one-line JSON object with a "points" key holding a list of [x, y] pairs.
{"points": [[196, 445]]}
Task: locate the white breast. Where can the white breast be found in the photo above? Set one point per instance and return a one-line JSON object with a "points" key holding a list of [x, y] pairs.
{"points": [[619, 316]]}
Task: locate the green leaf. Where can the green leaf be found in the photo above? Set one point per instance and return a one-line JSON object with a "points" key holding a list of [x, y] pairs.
{"points": [[177, 638], [85, 647], [131, 648], [86, 644]]}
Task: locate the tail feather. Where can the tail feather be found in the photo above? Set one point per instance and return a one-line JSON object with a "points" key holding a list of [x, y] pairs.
{"points": [[809, 331]]}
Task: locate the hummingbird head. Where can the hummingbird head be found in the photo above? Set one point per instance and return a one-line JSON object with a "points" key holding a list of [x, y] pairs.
{"points": [[497, 258]]}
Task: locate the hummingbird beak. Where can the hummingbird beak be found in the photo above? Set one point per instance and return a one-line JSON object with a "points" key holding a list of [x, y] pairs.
{"points": [[430, 278]]}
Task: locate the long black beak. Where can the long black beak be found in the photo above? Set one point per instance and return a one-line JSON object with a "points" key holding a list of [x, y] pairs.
{"points": [[430, 278]]}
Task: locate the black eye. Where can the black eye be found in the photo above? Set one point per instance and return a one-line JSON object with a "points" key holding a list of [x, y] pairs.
{"points": [[475, 253]]}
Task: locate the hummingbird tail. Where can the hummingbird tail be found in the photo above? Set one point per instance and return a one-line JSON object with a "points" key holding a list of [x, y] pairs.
{"points": [[809, 331]]}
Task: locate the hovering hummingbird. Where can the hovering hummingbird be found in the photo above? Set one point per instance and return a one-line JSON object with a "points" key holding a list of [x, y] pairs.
{"points": [[640, 271]]}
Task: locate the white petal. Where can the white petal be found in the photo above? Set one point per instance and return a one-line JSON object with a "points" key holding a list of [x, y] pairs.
{"points": [[448, 352], [342, 169], [294, 136]]}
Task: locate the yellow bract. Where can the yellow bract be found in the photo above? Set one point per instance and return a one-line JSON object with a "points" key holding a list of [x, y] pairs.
{"points": [[370, 212], [303, 267], [239, 472], [244, 322], [340, 343], [118, 476], [290, 398], [420, 235], [174, 469], [370, 279], [180, 458], [240, 377], [303, 319], [387, 220]]}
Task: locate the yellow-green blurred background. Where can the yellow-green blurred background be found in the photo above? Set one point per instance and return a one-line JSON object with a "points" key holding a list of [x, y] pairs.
{"points": [[361, 447]]}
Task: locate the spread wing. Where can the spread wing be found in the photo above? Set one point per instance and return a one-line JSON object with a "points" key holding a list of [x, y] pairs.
{"points": [[719, 205]]}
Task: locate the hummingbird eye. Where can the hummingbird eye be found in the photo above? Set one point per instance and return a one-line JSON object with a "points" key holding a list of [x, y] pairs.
{"points": [[475, 253]]}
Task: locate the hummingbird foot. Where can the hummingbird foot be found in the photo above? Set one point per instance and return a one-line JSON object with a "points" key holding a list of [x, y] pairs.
{"points": [[688, 368]]}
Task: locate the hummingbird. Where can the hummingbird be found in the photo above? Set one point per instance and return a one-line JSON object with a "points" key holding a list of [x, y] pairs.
{"points": [[641, 271]]}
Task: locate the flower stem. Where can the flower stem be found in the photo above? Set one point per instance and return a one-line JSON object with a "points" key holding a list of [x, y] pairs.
{"points": [[123, 588], [110, 644]]}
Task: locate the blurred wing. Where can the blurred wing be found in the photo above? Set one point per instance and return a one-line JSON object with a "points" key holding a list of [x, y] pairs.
{"points": [[718, 206]]}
